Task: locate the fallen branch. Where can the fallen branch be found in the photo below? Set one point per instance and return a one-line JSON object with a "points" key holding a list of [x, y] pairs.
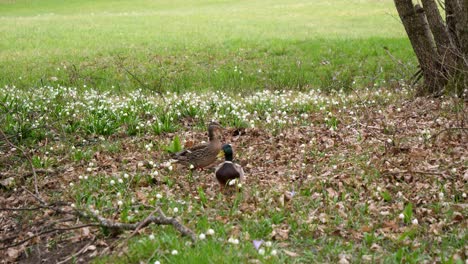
{"points": [[161, 219]]}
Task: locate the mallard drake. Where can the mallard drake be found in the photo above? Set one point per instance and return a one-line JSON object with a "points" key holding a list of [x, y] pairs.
{"points": [[202, 155], [228, 170]]}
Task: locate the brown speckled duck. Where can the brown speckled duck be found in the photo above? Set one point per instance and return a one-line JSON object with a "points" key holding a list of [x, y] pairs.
{"points": [[228, 170], [202, 155]]}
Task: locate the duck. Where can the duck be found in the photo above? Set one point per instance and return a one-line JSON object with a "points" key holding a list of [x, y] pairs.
{"points": [[203, 155], [228, 170]]}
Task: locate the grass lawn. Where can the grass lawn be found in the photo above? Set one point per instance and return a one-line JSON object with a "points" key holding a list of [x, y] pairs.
{"points": [[202, 45], [342, 163]]}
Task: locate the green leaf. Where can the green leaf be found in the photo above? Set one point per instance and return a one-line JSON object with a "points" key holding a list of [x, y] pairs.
{"points": [[408, 213], [175, 145]]}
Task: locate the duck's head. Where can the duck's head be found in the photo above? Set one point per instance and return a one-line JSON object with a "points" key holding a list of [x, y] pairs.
{"points": [[228, 153], [214, 129]]}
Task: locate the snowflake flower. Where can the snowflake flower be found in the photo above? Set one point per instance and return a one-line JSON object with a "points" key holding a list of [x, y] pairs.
{"points": [[174, 252], [202, 236]]}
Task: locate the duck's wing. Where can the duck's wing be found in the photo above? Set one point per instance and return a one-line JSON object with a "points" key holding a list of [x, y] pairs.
{"points": [[184, 153], [240, 170]]}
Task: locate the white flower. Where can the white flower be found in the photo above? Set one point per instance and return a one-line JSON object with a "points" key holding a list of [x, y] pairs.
{"points": [[401, 216], [157, 262], [261, 251], [126, 175], [174, 252], [170, 168], [232, 182], [112, 182], [239, 185], [71, 184], [268, 244], [441, 195], [210, 232], [120, 202], [140, 164], [379, 189], [73, 205], [202, 236], [89, 169], [120, 180], [454, 170], [274, 252], [389, 140], [158, 196], [151, 237], [155, 173], [415, 221], [80, 177], [191, 166], [175, 209]]}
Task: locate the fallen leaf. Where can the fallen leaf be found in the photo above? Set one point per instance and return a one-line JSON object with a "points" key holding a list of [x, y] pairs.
{"points": [[290, 253]]}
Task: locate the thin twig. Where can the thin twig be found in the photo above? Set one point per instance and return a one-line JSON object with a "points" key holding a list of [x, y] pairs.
{"points": [[21, 209], [46, 232], [433, 137], [27, 157], [82, 250]]}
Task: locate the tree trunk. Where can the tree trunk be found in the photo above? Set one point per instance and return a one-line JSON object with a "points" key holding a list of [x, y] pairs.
{"points": [[440, 46]]}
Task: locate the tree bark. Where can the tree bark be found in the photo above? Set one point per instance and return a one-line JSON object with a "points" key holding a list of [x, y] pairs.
{"points": [[441, 47]]}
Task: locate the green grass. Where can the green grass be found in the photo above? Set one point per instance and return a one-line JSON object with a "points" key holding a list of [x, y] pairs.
{"points": [[202, 45], [67, 99], [119, 168]]}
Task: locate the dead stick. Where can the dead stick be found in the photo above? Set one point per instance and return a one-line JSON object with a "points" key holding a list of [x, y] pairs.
{"points": [[26, 156], [46, 232], [82, 250]]}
